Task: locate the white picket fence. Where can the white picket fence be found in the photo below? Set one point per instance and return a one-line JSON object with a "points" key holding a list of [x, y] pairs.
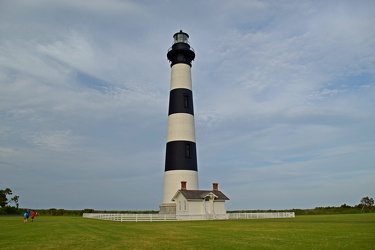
{"points": [[163, 217], [261, 215], [130, 217]]}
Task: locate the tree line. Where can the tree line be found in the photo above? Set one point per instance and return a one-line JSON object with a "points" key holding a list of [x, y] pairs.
{"points": [[366, 205]]}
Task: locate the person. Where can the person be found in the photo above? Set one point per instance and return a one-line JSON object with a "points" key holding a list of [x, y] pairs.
{"points": [[32, 215], [25, 215]]}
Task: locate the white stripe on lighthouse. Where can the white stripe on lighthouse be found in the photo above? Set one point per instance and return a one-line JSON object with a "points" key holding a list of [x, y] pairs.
{"points": [[181, 76], [181, 127]]}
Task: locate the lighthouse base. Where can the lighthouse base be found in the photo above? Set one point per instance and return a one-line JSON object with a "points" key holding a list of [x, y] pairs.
{"points": [[167, 208]]}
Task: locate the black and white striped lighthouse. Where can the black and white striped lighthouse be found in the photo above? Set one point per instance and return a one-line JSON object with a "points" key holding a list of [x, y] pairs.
{"points": [[181, 156]]}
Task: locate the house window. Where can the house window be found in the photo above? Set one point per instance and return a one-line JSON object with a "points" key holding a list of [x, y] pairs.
{"points": [[179, 205], [187, 150], [185, 205]]}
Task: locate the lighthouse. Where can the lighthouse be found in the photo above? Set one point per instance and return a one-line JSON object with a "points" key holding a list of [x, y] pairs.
{"points": [[181, 155]]}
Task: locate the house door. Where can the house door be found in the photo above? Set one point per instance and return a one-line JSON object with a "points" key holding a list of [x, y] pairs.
{"points": [[209, 205]]}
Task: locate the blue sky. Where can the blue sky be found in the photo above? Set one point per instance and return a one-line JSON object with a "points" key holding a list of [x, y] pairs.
{"points": [[283, 95]]}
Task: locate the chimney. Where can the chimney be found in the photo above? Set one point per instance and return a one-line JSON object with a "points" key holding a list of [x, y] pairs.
{"points": [[215, 186], [183, 185]]}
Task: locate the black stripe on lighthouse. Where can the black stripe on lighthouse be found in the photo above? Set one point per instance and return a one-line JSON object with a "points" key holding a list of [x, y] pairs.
{"points": [[181, 155], [181, 101]]}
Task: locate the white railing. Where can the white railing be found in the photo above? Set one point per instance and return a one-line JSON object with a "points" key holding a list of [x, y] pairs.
{"points": [[167, 217], [261, 215], [202, 217], [131, 217]]}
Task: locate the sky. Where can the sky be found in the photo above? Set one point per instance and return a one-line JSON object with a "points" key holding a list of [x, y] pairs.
{"points": [[283, 97]]}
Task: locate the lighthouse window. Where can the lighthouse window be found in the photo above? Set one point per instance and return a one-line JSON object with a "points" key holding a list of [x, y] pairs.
{"points": [[187, 150], [186, 101], [181, 38]]}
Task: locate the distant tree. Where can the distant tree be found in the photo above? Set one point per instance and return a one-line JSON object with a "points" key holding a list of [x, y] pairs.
{"points": [[367, 202], [3, 196], [345, 206], [15, 199]]}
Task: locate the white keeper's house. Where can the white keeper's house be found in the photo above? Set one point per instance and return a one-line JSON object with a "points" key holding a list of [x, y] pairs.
{"points": [[198, 204]]}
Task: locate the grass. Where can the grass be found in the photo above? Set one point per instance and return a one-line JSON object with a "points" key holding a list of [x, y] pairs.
{"points": [[354, 231]]}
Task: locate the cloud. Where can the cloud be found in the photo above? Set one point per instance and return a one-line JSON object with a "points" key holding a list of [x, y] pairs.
{"points": [[52, 140]]}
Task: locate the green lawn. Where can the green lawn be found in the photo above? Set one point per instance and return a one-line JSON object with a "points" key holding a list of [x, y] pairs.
{"points": [[355, 231]]}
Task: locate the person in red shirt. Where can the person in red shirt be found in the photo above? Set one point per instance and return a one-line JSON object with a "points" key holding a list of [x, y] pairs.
{"points": [[32, 216]]}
